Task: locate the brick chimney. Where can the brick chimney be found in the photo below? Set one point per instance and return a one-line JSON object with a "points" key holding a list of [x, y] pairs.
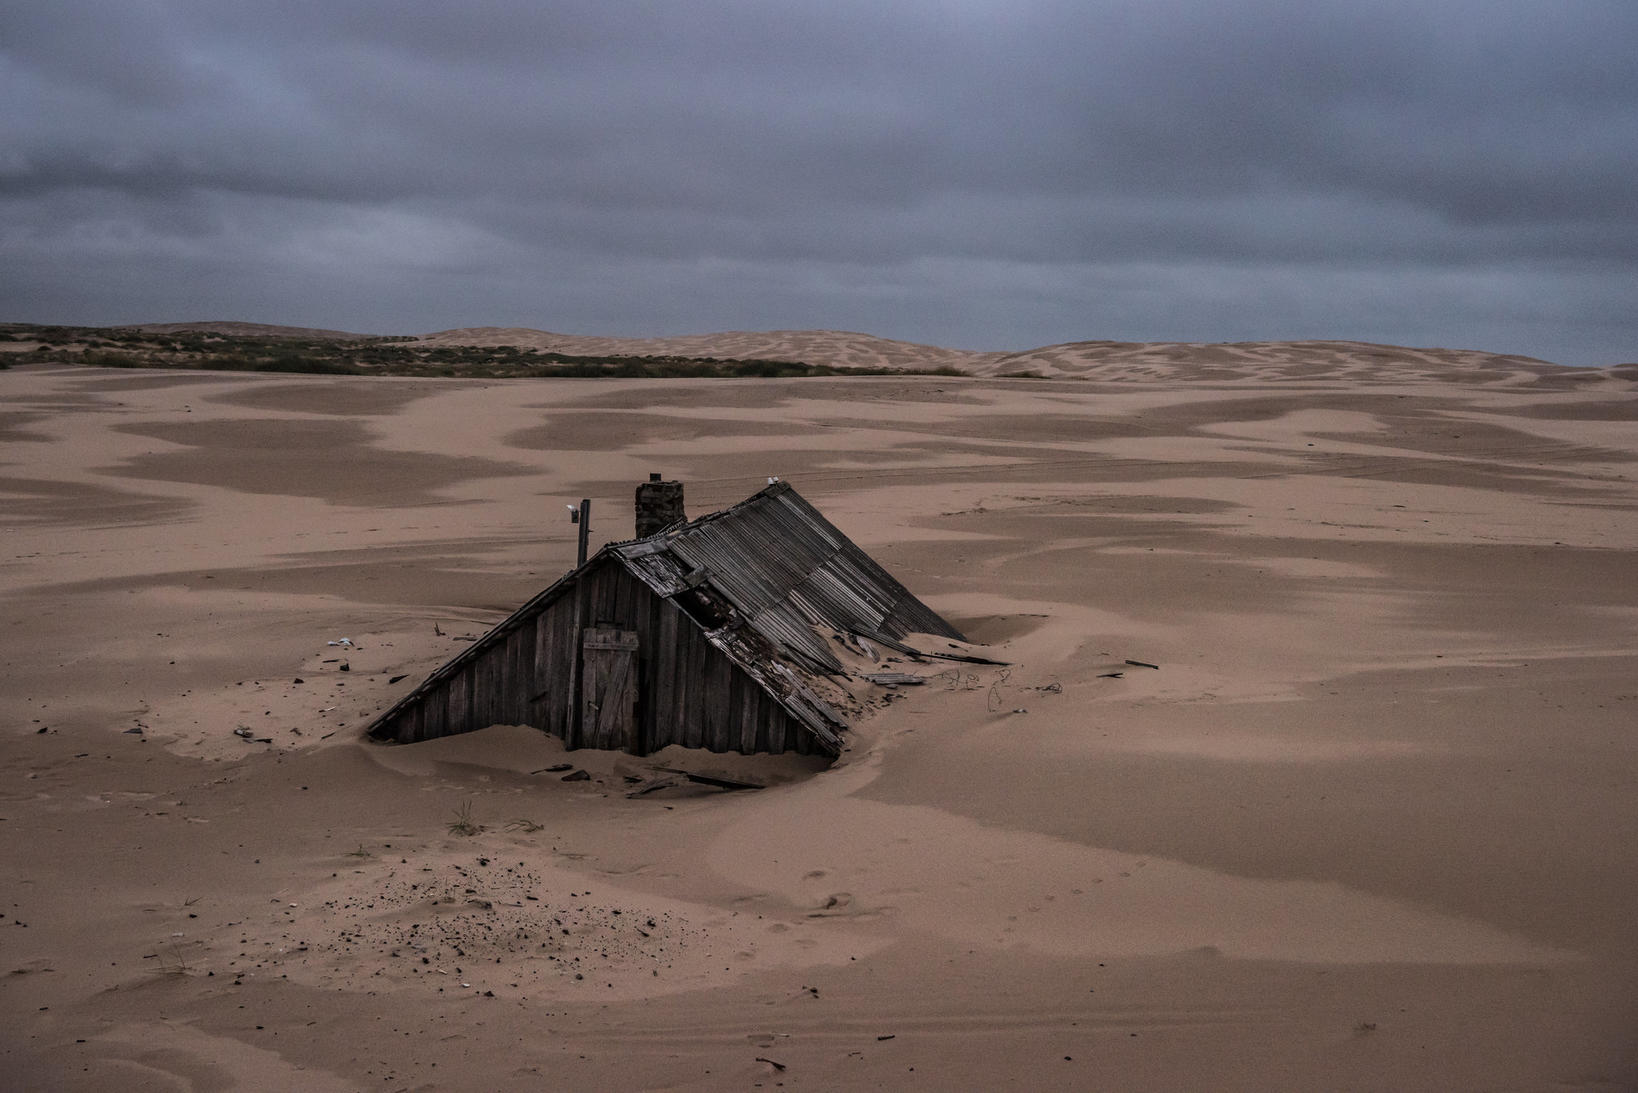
{"points": [[659, 505]]}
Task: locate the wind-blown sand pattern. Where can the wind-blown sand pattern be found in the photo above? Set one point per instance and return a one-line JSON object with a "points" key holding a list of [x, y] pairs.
{"points": [[1353, 362], [1368, 824]]}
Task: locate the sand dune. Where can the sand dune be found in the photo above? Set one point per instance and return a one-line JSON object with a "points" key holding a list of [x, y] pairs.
{"points": [[1368, 824], [835, 348], [1102, 361], [1097, 361]]}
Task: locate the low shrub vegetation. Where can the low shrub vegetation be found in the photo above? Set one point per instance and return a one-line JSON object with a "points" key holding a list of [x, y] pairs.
{"points": [[129, 347]]}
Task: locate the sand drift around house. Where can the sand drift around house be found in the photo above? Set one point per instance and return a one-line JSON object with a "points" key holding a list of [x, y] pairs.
{"points": [[1293, 746]]}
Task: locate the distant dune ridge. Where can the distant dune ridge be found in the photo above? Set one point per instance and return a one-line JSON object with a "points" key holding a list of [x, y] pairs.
{"points": [[1097, 360], [835, 348], [1104, 361], [247, 330]]}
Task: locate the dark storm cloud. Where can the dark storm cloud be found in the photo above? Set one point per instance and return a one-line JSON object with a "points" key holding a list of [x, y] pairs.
{"points": [[989, 174]]}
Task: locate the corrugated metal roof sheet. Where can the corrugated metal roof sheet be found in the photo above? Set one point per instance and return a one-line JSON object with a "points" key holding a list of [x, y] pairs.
{"points": [[786, 570]]}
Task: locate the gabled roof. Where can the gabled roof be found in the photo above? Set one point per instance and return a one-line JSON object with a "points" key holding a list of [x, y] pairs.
{"points": [[765, 580], [785, 569]]}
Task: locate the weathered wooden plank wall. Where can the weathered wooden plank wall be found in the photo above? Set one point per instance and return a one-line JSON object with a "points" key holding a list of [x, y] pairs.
{"points": [[688, 692]]}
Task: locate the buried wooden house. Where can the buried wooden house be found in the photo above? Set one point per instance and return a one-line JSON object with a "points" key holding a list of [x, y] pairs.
{"points": [[715, 633]]}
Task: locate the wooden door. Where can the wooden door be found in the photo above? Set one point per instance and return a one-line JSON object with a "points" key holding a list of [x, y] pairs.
{"points": [[608, 690]]}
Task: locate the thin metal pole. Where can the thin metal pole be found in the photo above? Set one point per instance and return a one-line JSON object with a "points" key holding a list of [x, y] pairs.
{"points": [[585, 530]]}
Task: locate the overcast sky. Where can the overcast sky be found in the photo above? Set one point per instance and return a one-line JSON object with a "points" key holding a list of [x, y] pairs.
{"points": [[986, 174]]}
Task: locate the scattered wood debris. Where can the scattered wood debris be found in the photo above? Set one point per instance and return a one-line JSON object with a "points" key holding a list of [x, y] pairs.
{"points": [[894, 679], [672, 777], [918, 654], [667, 781], [712, 779]]}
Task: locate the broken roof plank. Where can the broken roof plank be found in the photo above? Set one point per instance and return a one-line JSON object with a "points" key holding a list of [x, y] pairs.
{"points": [[894, 679]]}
